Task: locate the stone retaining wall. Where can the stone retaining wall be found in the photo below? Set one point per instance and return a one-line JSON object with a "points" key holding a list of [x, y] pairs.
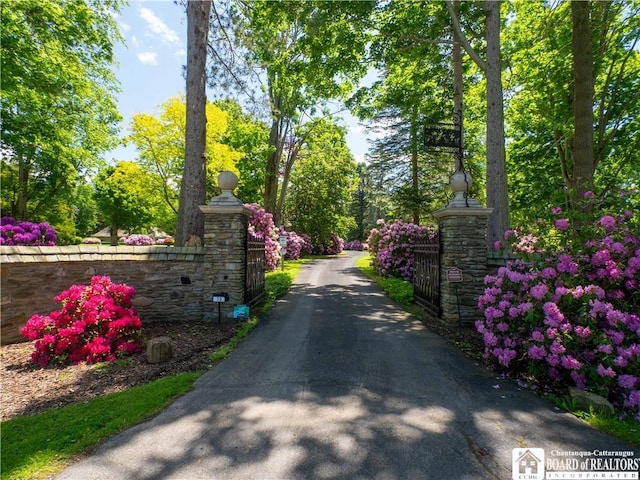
{"points": [[170, 282]]}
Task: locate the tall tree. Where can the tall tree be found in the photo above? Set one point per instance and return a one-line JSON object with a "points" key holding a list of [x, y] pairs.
{"points": [[190, 229], [301, 51], [496, 180], [412, 53], [543, 163], [56, 99], [160, 141], [582, 48], [322, 185]]}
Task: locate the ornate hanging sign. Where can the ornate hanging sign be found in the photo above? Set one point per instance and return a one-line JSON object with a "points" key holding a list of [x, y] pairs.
{"points": [[443, 135]]}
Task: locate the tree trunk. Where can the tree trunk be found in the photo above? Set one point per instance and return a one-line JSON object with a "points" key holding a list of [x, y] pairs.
{"points": [[456, 58], [190, 229], [415, 184], [292, 156], [276, 141], [497, 195], [583, 161], [20, 208]]}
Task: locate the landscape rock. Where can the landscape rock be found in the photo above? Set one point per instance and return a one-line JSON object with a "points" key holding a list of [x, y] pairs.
{"points": [[159, 350], [587, 400]]}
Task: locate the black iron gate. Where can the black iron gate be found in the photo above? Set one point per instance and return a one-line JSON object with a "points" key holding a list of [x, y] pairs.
{"points": [[255, 268], [426, 275]]}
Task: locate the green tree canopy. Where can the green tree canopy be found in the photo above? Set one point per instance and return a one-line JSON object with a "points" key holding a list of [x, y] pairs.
{"points": [[322, 185], [56, 102], [160, 141], [124, 199]]}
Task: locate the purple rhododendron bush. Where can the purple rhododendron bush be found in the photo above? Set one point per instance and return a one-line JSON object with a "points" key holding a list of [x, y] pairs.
{"points": [[261, 225], [563, 316], [391, 247], [333, 246], [95, 324], [26, 233], [297, 245]]}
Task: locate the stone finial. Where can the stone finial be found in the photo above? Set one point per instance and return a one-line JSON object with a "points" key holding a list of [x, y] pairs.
{"points": [[460, 182], [227, 181]]}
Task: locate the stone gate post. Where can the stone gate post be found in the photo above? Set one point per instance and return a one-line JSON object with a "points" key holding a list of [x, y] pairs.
{"points": [[225, 235], [463, 254]]}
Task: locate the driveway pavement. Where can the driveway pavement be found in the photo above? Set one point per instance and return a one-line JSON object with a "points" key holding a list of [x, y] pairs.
{"points": [[339, 383]]}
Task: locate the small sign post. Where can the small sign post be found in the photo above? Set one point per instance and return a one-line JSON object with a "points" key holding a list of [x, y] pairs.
{"points": [[282, 241], [220, 298]]}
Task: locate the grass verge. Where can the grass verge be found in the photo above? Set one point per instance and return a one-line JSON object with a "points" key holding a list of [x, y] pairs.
{"points": [[398, 290], [40, 446], [627, 429]]}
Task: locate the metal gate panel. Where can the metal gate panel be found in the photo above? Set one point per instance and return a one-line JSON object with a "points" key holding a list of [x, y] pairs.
{"points": [[426, 275], [255, 268]]}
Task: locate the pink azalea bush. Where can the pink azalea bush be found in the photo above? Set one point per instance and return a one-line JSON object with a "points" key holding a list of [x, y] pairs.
{"points": [[96, 323], [261, 225], [26, 233], [138, 239], [333, 246], [297, 245], [391, 247], [568, 316]]}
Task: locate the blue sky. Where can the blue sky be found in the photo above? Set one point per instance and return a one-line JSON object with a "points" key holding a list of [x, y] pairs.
{"points": [[151, 62]]}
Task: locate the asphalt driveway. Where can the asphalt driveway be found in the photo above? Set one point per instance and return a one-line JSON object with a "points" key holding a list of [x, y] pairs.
{"points": [[339, 383]]}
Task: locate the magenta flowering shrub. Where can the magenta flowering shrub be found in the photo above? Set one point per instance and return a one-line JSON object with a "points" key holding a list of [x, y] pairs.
{"points": [[570, 317], [261, 225], [354, 245], [333, 246], [297, 245], [138, 239], [96, 323], [391, 247], [26, 233]]}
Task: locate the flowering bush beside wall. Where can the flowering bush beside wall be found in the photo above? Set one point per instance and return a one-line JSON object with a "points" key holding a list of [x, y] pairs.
{"points": [[391, 247], [96, 323], [138, 239], [26, 233], [261, 225], [570, 316]]}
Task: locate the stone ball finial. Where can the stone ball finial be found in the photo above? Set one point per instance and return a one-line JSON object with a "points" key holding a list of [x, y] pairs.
{"points": [[227, 181], [460, 182]]}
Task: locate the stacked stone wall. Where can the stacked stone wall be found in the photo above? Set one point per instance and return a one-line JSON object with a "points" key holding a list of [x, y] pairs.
{"points": [[170, 282], [464, 248]]}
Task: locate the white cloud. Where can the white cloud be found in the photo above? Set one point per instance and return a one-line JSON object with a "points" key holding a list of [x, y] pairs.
{"points": [[180, 53], [134, 42], [148, 58], [125, 26], [158, 27]]}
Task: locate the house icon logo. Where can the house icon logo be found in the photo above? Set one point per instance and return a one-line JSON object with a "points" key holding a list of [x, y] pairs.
{"points": [[527, 464]]}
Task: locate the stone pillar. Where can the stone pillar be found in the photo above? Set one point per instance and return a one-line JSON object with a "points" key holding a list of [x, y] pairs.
{"points": [[225, 235], [463, 254]]}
